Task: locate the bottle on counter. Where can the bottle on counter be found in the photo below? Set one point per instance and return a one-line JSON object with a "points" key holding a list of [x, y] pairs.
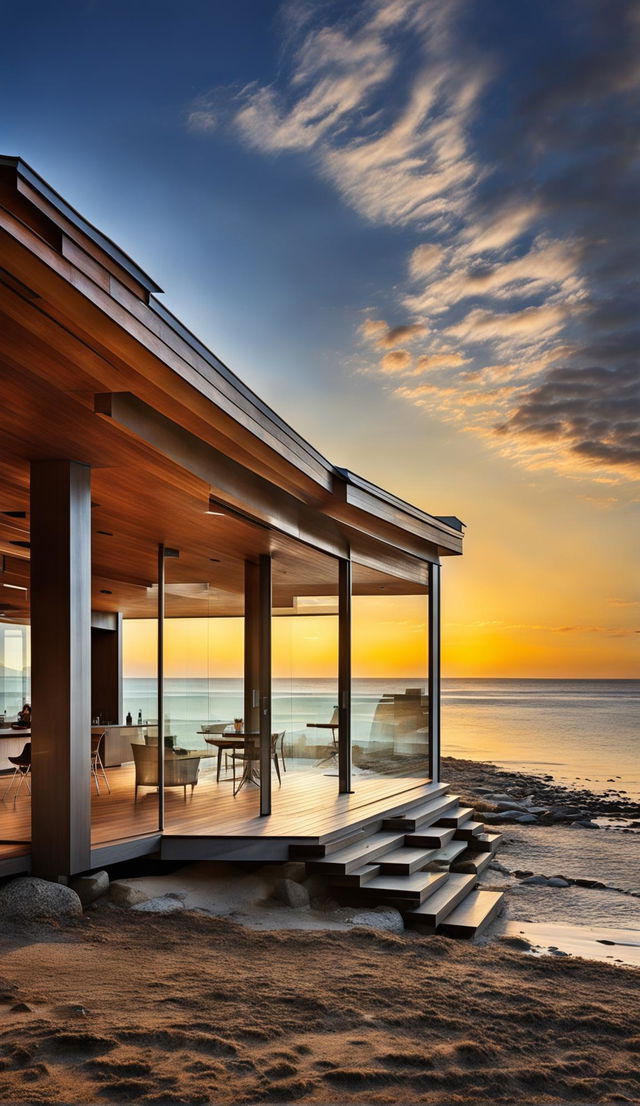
{"points": [[129, 719], [139, 717]]}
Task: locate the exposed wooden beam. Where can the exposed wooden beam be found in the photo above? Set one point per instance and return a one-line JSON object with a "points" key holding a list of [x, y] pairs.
{"points": [[231, 483]]}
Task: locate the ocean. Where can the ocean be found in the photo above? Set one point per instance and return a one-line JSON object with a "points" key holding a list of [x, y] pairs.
{"points": [[585, 731]]}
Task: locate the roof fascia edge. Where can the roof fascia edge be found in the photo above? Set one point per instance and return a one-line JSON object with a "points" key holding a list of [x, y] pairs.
{"points": [[446, 524], [26, 173], [192, 340]]}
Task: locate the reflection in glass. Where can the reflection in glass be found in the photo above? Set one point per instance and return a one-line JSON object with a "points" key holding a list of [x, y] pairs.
{"points": [[390, 726]]}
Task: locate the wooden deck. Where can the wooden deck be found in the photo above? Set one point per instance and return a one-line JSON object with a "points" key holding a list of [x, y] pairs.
{"points": [[214, 824]]}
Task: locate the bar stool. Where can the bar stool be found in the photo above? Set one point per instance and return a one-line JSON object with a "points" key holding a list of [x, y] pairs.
{"points": [[21, 772], [97, 765]]}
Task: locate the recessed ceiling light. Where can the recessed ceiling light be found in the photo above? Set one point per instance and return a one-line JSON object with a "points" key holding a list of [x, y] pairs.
{"points": [[220, 513], [16, 587]]}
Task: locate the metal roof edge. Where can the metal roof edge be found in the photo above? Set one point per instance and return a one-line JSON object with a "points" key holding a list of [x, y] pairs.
{"points": [[450, 521], [114, 251], [212, 359]]}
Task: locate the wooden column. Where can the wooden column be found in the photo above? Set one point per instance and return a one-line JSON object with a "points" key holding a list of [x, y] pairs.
{"points": [[344, 677], [61, 667], [434, 672], [264, 686], [251, 715]]}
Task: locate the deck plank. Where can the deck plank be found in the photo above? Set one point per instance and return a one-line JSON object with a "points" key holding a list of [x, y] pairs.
{"points": [[307, 805]]}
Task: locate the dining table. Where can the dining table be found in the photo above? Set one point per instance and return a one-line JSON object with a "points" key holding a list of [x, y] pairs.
{"points": [[230, 742]]}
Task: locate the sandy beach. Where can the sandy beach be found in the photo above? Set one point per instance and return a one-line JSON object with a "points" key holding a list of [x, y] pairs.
{"points": [[295, 1005], [132, 1007]]}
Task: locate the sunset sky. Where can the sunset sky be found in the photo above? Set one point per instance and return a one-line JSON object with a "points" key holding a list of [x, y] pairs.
{"points": [[412, 228]]}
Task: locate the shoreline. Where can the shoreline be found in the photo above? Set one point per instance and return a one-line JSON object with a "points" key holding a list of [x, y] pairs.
{"points": [[484, 778]]}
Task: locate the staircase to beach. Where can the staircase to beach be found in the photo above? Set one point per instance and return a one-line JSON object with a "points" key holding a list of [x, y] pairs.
{"points": [[425, 860]]}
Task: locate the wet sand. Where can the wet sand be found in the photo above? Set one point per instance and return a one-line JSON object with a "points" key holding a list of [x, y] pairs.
{"points": [[134, 1007]]}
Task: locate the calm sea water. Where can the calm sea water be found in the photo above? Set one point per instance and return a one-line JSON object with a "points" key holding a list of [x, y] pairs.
{"points": [[585, 730]]}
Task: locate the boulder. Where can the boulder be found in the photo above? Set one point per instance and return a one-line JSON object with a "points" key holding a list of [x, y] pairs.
{"points": [[295, 870], [126, 894], [540, 881], [164, 904], [384, 918], [509, 807], [557, 881], [316, 887], [28, 899], [90, 888], [290, 893], [527, 820]]}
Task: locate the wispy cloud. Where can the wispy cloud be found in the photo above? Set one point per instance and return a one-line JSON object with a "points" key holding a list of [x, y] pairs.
{"points": [[513, 167]]}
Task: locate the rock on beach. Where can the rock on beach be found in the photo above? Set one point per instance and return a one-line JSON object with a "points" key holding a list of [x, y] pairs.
{"points": [[29, 899]]}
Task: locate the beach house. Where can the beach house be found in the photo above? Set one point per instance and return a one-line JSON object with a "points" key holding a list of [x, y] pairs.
{"points": [[153, 507]]}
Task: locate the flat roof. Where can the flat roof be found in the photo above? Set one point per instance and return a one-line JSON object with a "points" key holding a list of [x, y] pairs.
{"points": [[444, 524]]}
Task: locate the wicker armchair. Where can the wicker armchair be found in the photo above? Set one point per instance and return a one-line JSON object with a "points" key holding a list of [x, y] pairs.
{"points": [[178, 771]]}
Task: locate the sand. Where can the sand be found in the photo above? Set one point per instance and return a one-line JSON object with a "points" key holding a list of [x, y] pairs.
{"points": [[128, 1006]]}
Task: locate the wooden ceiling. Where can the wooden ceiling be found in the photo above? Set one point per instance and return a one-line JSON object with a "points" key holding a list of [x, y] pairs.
{"points": [[139, 499]]}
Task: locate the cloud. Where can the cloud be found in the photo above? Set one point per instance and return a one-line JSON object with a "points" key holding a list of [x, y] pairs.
{"points": [[501, 229], [509, 165], [430, 361], [396, 361], [424, 259], [480, 324], [397, 334], [372, 330], [592, 411]]}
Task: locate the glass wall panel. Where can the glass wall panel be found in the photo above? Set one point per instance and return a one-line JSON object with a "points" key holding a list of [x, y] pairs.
{"points": [[390, 726], [15, 711], [305, 676], [203, 692], [124, 697]]}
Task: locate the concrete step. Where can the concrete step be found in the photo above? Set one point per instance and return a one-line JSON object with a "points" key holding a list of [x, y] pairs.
{"points": [[406, 860], [430, 838], [485, 842], [447, 855], [473, 914], [313, 852], [435, 909], [425, 815], [476, 863], [354, 856], [358, 877], [456, 817], [412, 889], [468, 830]]}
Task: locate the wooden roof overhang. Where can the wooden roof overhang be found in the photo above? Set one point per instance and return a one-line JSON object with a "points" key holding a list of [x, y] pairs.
{"points": [[94, 369]]}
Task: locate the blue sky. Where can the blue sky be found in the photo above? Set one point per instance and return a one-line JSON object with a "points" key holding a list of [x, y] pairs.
{"points": [[410, 226]]}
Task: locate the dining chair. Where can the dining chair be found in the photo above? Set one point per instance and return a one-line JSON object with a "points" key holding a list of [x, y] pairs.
{"points": [[179, 771], [249, 755]]}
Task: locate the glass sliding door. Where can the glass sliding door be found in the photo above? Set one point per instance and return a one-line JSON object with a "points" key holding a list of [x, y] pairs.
{"points": [[15, 693], [305, 675], [203, 698], [390, 694]]}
